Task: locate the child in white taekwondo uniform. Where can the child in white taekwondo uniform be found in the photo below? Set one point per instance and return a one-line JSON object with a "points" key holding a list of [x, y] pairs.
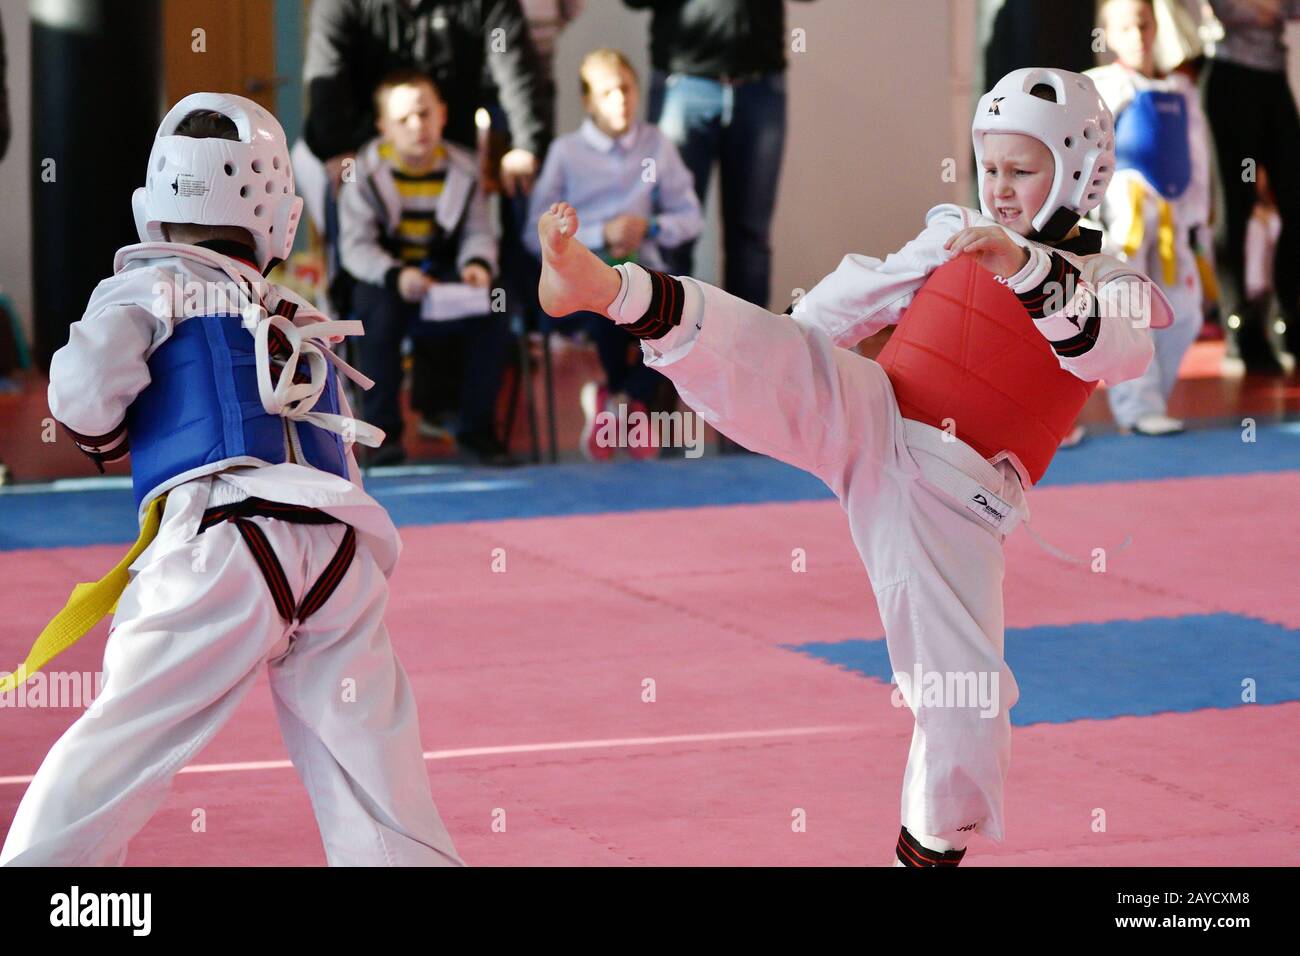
{"points": [[1158, 199], [225, 391], [1008, 319]]}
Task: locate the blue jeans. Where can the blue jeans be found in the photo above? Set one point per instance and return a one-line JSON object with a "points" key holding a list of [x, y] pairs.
{"points": [[477, 347], [741, 127]]}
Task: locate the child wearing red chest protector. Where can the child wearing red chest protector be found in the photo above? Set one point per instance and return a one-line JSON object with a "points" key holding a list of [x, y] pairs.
{"points": [[1007, 318]]}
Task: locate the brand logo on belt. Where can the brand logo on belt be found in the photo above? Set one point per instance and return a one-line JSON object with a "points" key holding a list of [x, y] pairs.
{"points": [[992, 512], [990, 508]]}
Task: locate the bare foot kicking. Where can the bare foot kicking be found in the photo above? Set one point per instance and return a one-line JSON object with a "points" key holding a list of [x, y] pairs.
{"points": [[573, 278]]}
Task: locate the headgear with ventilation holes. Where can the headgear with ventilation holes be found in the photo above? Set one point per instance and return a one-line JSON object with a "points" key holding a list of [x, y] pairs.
{"points": [[222, 182], [1076, 125]]}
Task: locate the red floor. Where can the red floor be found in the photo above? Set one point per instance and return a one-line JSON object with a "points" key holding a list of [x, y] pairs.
{"points": [[743, 732]]}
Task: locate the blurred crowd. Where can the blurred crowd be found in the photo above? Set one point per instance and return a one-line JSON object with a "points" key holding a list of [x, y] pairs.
{"points": [[420, 111]]}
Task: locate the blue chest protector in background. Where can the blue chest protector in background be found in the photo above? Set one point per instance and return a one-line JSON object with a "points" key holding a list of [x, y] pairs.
{"points": [[1151, 138], [202, 412]]}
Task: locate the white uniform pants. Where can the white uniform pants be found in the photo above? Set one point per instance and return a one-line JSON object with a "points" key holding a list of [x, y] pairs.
{"points": [[783, 389], [937, 573], [192, 630]]}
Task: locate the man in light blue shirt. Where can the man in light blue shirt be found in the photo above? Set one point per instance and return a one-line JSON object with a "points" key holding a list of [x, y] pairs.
{"points": [[633, 195]]}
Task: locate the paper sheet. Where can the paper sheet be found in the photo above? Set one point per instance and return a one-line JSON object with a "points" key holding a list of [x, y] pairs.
{"points": [[447, 301]]}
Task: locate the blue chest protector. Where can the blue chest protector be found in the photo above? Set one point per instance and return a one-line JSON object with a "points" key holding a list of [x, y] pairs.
{"points": [[1151, 138], [201, 412]]}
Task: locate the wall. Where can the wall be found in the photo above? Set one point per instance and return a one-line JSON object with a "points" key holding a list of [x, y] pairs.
{"points": [[15, 168]]}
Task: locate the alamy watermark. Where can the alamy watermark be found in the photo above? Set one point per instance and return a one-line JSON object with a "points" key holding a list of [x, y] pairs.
{"points": [[56, 689], [617, 427], [954, 689]]}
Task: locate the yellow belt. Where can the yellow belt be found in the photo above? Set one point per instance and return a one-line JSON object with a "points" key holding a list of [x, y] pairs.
{"points": [[1164, 231], [86, 606]]}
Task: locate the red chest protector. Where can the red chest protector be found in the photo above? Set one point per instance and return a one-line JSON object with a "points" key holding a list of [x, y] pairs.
{"points": [[967, 350]]}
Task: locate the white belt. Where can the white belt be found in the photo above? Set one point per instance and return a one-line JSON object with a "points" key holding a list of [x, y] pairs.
{"points": [[992, 493], [959, 471], [297, 401]]}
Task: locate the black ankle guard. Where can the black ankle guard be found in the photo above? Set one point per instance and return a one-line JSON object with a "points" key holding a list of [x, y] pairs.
{"points": [[667, 299], [912, 853]]}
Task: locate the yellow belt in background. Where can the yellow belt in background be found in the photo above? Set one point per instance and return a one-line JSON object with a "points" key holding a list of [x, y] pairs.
{"points": [[86, 606], [1165, 241], [1164, 231]]}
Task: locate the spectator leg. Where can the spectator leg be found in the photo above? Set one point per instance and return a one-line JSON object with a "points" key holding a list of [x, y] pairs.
{"points": [[1235, 114], [385, 319], [752, 146], [689, 111]]}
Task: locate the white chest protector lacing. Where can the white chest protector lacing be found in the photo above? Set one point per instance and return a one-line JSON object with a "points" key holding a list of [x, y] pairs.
{"points": [[308, 339]]}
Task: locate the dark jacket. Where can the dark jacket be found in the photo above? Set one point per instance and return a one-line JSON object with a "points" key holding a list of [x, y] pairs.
{"points": [[354, 43], [716, 37]]}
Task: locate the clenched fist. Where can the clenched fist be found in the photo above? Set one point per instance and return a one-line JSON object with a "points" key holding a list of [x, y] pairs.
{"points": [[992, 248]]}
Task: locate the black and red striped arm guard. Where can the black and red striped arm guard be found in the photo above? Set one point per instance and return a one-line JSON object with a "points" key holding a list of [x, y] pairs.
{"points": [[1048, 298], [103, 448]]}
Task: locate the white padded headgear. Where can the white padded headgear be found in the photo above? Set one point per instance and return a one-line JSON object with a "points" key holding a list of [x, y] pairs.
{"points": [[1078, 128], [221, 182]]}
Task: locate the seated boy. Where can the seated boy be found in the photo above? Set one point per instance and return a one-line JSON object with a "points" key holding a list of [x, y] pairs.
{"points": [[634, 194], [411, 216], [1006, 320], [224, 390]]}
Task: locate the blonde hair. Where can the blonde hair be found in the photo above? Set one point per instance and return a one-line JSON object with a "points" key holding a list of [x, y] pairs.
{"points": [[604, 56], [1102, 5]]}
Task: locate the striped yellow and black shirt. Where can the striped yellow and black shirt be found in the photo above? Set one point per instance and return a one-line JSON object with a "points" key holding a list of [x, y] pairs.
{"points": [[419, 192]]}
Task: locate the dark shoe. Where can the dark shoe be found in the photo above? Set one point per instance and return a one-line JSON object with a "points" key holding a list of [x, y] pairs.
{"points": [[1261, 362], [389, 453], [1249, 342], [487, 449]]}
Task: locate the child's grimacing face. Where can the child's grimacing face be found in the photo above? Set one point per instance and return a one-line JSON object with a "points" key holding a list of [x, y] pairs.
{"points": [[1015, 179], [612, 98], [412, 121]]}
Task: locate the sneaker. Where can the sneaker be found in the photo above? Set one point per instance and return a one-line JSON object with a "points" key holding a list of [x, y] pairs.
{"points": [[433, 430], [1263, 362], [647, 452], [594, 399], [1251, 346], [389, 453], [1157, 425], [487, 449], [1076, 435]]}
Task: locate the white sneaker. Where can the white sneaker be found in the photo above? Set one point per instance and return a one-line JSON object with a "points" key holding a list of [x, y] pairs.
{"points": [[430, 429], [1076, 435], [1157, 425], [595, 399]]}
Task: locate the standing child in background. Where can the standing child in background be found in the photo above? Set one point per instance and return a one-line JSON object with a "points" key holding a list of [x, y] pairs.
{"points": [[1158, 201], [1006, 321], [258, 543], [1262, 233], [634, 194], [414, 216]]}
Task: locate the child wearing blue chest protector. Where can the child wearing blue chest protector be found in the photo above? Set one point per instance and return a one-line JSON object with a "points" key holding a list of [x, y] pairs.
{"points": [[259, 545], [1157, 203]]}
